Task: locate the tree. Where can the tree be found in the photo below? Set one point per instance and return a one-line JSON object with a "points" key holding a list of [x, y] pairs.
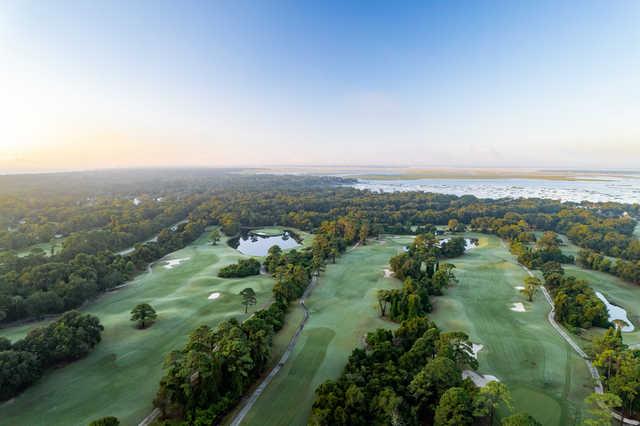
{"points": [[489, 398], [143, 314], [248, 298], [215, 236], [600, 407], [106, 421], [455, 408], [531, 285], [626, 382], [520, 419], [455, 226], [364, 233]]}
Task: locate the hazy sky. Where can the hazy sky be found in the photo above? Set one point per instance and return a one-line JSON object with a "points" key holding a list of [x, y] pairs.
{"points": [[117, 84]]}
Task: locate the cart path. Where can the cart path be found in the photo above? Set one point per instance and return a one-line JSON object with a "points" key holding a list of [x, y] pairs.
{"points": [[249, 402]]}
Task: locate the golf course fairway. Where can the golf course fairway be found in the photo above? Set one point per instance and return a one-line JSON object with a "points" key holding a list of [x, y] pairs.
{"points": [[342, 309], [121, 375], [617, 292], [546, 377]]}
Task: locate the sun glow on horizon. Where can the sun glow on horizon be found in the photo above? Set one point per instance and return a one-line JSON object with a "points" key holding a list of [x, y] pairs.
{"points": [[228, 85]]}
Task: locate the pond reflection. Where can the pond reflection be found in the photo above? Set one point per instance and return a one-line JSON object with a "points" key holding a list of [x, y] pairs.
{"points": [[252, 244]]}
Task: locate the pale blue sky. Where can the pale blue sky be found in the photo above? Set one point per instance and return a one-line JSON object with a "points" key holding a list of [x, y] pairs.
{"points": [[148, 83]]}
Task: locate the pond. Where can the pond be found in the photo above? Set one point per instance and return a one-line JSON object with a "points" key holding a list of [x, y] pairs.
{"points": [[254, 244], [469, 243], [617, 315]]}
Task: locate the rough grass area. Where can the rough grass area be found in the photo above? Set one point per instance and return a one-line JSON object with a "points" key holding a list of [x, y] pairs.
{"points": [[546, 377], [120, 377], [343, 308]]}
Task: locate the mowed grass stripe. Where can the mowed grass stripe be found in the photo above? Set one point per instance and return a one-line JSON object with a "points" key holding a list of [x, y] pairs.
{"points": [[343, 309], [545, 376]]}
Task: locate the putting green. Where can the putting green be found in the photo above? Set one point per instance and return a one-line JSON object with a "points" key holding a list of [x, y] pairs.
{"points": [[120, 377], [546, 377], [268, 232], [343, 308]]}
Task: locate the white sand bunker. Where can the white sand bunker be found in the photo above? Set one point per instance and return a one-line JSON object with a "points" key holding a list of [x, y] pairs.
{"points": [[520, 287], [474, 349], [518, 307], [170, 264], [214, 296], [617, 314], [388, 273], [479, 379]]}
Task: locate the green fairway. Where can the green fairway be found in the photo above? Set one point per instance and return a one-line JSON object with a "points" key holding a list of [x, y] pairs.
{"points": [[546, 377], [120, 377], [46, 247], [617, 292], [343, 308]]}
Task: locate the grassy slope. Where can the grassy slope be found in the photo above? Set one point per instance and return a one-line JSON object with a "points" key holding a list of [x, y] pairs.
{"points": [[545, 376], [121, 375], [343, 309]]}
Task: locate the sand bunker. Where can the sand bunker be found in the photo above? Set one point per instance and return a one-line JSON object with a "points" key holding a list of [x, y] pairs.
{"points": [[475, 348], [518, 307], [175, 262], [479, 379], [214, 296], [520, 287], [617, 314], [388, 273]]}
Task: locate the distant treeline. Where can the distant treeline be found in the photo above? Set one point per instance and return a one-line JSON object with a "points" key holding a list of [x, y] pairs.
{"points": [[36, 285]]}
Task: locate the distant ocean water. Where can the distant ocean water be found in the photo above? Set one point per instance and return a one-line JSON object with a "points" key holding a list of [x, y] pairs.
{"points": [[610, 188]]}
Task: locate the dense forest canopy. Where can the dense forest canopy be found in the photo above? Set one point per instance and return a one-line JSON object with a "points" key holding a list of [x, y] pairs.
{"points": [[108, 226], [129, 207]]}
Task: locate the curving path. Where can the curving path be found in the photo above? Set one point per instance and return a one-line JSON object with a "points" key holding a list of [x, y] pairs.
{"points": [[598, 388], [249, 402]]}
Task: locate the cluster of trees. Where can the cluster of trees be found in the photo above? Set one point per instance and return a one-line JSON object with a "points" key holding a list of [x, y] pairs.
{"points": [[207, 378], [626, 269], [67, 339], [575, 302], [37, 285], [546, 249], [244, 268], [412, 376], [591, 226], [620, 371], [422, 276], [232, 201]]}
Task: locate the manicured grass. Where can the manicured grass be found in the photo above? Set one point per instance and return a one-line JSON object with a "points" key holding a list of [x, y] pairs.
{"points": [[269, 232], [57, 246], [343, 308], [120, 377], [618, 292], [545, 376]]}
